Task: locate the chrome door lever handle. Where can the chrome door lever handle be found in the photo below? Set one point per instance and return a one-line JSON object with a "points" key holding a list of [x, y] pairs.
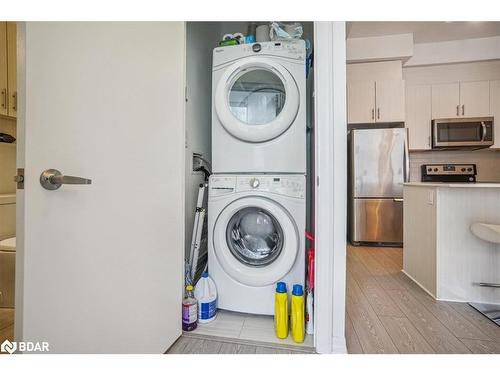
{"points": [[52, 179]]}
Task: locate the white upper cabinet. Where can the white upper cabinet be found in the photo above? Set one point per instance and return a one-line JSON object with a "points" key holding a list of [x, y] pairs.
{"points": [[461, 99], [475, 99], [390, 100], [446, 100], [361, 102], [380, 101], [419, 116], [495, 111]]}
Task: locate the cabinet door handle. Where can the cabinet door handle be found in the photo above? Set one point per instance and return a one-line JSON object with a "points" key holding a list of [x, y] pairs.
{"points": [[373, 114], [429, 141], [463, 109], [458, 110], [378, 113], [4, 98]]}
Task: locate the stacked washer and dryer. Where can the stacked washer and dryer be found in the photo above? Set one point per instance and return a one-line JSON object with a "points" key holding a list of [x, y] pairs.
{"points": [[257, 194]]}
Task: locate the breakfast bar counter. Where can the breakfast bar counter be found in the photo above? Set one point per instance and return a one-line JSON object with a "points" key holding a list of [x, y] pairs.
{"points": [[440, 252]]}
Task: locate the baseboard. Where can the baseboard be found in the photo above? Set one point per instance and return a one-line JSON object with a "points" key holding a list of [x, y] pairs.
{"points": [[339, 345], [420, 285]]}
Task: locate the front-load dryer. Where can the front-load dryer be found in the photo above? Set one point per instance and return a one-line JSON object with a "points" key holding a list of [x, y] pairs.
{"points": [[256, 238], [259, 108]]}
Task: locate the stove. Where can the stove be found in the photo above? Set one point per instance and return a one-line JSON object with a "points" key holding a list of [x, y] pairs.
{"points": [[449, 173]]}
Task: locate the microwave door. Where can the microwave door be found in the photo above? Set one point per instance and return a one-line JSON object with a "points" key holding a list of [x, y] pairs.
{"points": [[462, 132]]}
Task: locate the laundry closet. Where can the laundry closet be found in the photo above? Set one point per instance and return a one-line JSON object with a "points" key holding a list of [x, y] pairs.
{"points": [[249, 167]]}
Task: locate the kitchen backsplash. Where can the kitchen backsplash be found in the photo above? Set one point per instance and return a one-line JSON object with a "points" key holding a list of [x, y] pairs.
{"points": [[487, 161]]}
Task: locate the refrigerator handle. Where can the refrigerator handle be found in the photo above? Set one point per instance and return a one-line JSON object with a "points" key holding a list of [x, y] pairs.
{"points": [[406, 159]]}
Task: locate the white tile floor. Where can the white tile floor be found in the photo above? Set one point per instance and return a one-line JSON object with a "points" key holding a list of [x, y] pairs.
{"points": [[246, 327]]}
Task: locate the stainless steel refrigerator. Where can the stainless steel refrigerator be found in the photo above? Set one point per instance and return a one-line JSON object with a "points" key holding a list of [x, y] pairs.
{"points": [[378, 166]]}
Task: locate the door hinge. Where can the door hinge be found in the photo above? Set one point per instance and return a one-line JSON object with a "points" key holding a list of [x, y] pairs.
{"points": [[317, 180], [19, 178]]}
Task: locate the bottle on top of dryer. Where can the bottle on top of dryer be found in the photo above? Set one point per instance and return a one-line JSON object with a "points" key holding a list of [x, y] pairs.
{"points": [[206, 294]]}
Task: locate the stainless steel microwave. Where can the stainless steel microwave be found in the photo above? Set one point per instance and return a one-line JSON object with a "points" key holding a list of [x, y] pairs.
{"points": [[462, 132]]}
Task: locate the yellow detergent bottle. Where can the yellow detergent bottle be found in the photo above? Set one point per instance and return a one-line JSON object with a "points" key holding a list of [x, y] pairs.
{"points": [[297, 314], [281, 311]]}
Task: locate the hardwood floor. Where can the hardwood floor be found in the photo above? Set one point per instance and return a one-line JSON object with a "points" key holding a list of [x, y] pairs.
{"points": [[217, 345], [388, 313], [6, 324]]}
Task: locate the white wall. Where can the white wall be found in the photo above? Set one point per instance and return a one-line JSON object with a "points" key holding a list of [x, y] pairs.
{"points": [[455, 51], [331, 198], [472, 71], [201, 38]]}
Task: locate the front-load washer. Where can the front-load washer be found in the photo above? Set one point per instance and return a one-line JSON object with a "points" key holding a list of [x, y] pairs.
{"points": [[256, 238], [259, 108]]}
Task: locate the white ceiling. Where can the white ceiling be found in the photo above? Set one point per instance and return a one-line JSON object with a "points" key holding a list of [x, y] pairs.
{"points": [[425, 32]]}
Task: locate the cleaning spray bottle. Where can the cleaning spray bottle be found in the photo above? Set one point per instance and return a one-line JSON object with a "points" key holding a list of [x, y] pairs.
{"points": [[297, 314], [281, 311]]}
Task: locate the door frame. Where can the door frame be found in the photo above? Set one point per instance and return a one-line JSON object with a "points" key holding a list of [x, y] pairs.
{"points": [[331, 185]]}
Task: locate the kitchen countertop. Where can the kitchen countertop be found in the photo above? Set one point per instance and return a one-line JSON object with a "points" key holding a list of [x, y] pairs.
{"points": [[455, 184]]}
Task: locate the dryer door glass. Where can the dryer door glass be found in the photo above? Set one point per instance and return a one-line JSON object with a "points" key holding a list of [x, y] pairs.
{"points": [[257, 97], [254, 236]]}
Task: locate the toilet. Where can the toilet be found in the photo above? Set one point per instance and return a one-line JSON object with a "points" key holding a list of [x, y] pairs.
{"points": [[7, 271]]}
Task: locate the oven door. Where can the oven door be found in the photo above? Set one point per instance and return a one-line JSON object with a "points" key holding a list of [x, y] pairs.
{"points": [[465, 132]]}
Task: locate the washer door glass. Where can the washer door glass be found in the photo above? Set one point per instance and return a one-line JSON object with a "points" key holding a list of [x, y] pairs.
{"points": [[254, 236], [257, 97]]}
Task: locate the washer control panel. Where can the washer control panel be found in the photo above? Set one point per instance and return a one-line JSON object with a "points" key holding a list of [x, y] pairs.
{"points": [[287, 185]]}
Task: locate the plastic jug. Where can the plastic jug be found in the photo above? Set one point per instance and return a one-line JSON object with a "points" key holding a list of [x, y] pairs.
{"points": [[297, 314], [281, 311], [206, 294]]}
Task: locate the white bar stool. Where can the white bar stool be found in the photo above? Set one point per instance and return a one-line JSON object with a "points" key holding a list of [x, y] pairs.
{"points": [[490, 233]]}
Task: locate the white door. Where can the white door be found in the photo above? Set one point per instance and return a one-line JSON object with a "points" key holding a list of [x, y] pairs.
{"points": [[100, 266], [256, 100], [445, 100], [475, 98], [495, 111], [390, 100], [361, 102], [418, 116]]}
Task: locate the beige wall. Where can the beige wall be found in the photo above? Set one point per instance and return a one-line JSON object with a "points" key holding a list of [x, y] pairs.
{"points": [[7, 158], [487, 161], [7, 185]]}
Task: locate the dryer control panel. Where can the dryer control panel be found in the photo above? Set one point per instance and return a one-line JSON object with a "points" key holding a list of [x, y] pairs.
{"points": [[287, 185], [290, 49]]}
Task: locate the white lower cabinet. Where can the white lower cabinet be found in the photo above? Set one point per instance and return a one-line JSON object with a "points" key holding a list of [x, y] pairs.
{"points": [[419, 116]]}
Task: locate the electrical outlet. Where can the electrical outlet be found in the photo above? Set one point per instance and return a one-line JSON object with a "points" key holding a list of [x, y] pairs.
{"points": [[430, 197]]}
